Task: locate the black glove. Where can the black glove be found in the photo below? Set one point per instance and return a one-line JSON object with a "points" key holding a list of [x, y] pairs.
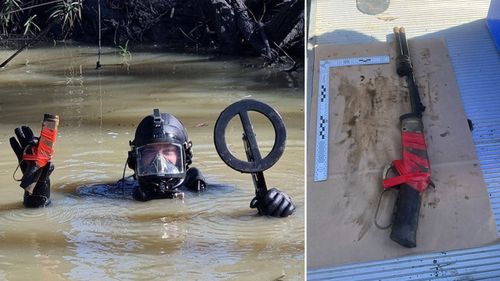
{"points": [[39, 196], [195, 180], [275, 203], [41, 193]]}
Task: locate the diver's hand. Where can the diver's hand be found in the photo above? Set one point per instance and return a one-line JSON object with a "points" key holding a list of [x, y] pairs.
{"points": [[275, 203], [39, 196], [32, 174], [24, 139], [195, 180]]}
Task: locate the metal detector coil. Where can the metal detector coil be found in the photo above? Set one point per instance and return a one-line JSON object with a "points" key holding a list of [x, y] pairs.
{"points": [[241, 108], [256, 164]]}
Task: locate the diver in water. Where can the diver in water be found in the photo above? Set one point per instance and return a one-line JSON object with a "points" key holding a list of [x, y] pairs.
{"points": [[160, 156]]}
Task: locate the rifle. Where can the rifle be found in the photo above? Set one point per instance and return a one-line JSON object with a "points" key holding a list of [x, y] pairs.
{"points": [[414, 168], [37, 156]]}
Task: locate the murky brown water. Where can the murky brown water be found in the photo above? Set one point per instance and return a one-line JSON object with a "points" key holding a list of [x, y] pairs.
{"points": [[95, 233]]}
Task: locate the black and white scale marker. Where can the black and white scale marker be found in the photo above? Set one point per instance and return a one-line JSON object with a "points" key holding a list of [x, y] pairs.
{"points": [[322, 121]]}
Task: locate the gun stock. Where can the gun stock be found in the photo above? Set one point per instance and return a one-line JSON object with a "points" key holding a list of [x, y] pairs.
{"points": [[414, 169], [405, 220]]}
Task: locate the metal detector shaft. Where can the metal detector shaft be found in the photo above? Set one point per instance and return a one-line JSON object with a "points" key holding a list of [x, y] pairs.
{"points": [[258, 178], [253, 154]]}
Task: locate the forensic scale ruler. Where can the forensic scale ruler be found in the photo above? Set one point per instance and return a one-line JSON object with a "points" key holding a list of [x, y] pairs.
{"points": [[321, 157]]}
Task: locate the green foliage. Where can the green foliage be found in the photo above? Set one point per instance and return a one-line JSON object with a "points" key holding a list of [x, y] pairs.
{"points": [[29, 25], [8, 15], [125, 55], [69, 12]]}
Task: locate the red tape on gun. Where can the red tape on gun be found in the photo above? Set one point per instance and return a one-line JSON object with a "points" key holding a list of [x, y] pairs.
{"points": [[40, 154]]}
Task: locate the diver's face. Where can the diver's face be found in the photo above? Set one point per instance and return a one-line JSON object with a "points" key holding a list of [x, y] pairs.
{"points": [[160, 159], [167, 151]]}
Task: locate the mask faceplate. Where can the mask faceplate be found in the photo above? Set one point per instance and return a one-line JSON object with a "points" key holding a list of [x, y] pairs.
{"points": [[162, 159]]}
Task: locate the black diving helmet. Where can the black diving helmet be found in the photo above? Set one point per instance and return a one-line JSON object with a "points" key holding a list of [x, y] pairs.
{"points": [[161, 152]]}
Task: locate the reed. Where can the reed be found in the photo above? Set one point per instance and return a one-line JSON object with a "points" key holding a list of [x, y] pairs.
{"points": [[68, 13], [30, 27], [125, 55], [8, 15]]}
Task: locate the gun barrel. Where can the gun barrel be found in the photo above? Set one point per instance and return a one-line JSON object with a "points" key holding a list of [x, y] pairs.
{"points": [[405, 68], [416, 104], [404, 43]]}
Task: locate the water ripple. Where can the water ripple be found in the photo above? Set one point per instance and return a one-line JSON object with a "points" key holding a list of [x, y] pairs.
{"points": [[48, 214]]}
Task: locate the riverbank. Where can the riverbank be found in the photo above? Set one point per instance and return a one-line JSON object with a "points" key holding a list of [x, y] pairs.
{"points": [[273, 30]]}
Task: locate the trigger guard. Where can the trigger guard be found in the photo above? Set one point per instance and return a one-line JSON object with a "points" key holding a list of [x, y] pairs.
{"points": [[387, 168]]}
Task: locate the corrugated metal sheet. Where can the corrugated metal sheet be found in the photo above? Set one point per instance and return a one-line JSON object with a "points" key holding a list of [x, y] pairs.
{"points": [[477, 68], [473, 264]]}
